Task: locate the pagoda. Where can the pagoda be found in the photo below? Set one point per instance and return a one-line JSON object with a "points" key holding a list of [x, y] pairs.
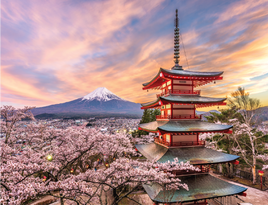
{"points": [[178, 128]]}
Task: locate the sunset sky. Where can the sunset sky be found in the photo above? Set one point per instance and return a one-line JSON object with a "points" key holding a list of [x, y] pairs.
{"points": [[56, 51]]}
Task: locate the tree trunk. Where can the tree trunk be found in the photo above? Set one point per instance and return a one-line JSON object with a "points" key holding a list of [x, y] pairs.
{"points": [[254, 180], [229, 168], [231, 174], [220, 168], [61, 200]]}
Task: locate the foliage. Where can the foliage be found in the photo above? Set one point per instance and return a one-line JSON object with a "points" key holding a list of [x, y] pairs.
{"points": [[224, 116], [149, 115], [245, 140], [264, 158], [244, 104], [77, 164]]}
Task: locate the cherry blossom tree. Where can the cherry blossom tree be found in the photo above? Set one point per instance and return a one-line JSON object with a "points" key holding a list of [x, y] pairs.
{"points": [[264, 129], [242, 115], [264, 157], [78, 165], [11, 116], [212, 141], [247, 145]]}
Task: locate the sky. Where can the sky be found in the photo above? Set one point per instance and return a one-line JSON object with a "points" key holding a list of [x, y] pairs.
{"points": [[56, 51]]}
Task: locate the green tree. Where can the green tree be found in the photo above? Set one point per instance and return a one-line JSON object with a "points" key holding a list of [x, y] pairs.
{"points": [[245, 105], [225, 141], [225, 115], [248, 107], [245, 141], [149, 115]]}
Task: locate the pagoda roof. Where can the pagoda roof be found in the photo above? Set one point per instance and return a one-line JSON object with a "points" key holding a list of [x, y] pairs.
{"points": [[195, 155], [203, 186], [184, 126], [191, 73], [163, 75], [184, 99]]}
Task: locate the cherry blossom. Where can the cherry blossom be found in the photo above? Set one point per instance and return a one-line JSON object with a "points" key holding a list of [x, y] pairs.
{"points": [[79, 165]]}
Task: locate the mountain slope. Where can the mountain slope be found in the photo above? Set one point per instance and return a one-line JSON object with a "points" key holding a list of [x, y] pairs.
{"points": [[100, 100]]}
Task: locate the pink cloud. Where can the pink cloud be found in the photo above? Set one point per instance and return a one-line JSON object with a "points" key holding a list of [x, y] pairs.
{"points": [[88, 45]]}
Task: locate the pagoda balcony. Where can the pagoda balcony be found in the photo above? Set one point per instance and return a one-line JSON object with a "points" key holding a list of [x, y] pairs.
{"points": [[179, 92], [177, 117], [180, 144]]}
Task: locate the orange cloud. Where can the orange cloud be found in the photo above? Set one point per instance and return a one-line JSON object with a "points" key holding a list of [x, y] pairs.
{"points": [[80, 47]]}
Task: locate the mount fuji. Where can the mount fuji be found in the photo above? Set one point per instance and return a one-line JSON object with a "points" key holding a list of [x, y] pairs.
{"points": [[100, 101]]}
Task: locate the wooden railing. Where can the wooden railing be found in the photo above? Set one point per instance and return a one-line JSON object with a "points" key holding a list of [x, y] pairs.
{"points": [[158, 117], [162, 142], [179, 92], [184, 143], [188, 143]]}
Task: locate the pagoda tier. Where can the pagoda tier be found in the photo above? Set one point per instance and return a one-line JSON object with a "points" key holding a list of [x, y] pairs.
{"points": [[184, 127], [201, 187], [171, 99], [197, 78], [195, 155]]}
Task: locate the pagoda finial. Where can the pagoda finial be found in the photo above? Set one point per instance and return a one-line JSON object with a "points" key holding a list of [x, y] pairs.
{"points": [[177, 44]]}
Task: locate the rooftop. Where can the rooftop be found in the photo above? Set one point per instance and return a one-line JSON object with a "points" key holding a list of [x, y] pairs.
{"points": [[201, 187], [196, 155], [184, 126], [160, 78], [195, 99]]}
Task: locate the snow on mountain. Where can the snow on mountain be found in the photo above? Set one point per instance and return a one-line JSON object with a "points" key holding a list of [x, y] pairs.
{"points": [[101, 94], [100, 101]]}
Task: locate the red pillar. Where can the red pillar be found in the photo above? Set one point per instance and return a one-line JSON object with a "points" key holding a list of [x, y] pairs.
{"points": [[171, 108], [192, 86]]}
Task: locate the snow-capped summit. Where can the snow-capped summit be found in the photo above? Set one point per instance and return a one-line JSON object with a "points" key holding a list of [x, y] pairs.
{"points": [[100, 101], [101, 94]]}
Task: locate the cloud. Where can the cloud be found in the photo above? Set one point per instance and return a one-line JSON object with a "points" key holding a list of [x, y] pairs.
{"points": [[57, 51]]}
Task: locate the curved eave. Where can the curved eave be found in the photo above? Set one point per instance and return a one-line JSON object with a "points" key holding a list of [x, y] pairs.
{"points": [[186, 126], [156, 82], [201, 187], [190, 99], [199, 155], [147, 130], [187, 73], [167, 130], [189, 126], [151, 104], [164, 75], [184, 100], [148, 83], [151, 126]]}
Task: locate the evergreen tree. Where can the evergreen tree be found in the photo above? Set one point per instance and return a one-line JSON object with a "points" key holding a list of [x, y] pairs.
{"points": [[149, 115]]}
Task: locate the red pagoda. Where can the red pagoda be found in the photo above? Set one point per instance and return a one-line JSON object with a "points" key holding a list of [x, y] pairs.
{"points": [[178, 129]]}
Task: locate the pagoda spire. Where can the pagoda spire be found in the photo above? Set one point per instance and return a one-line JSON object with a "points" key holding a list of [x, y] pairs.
{"points": [[177, 44]]}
